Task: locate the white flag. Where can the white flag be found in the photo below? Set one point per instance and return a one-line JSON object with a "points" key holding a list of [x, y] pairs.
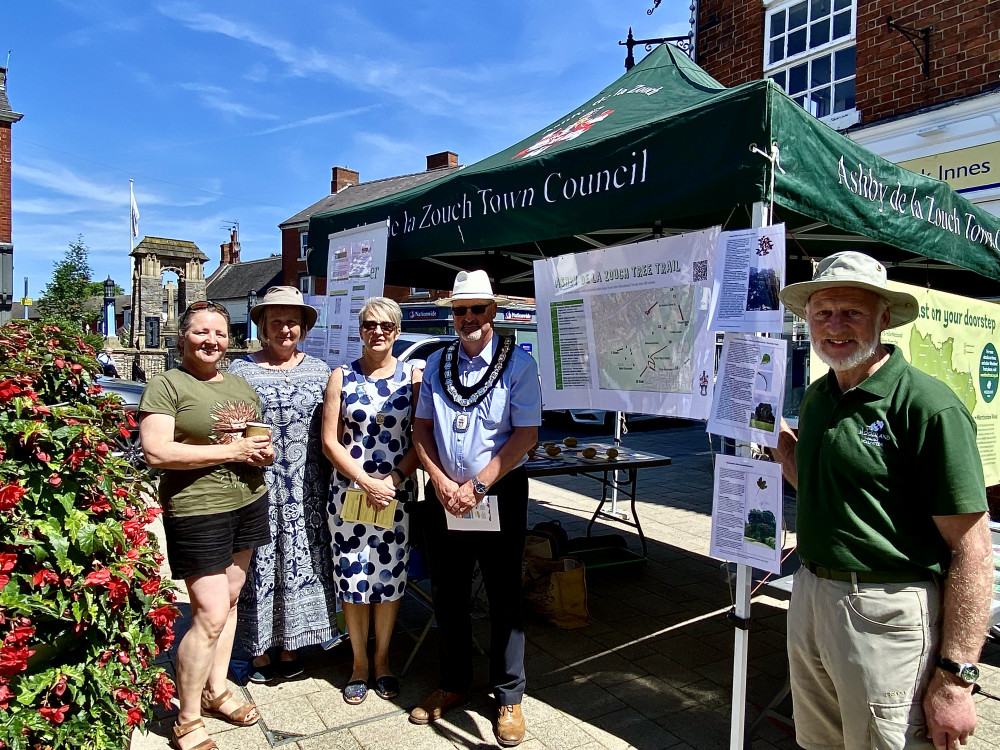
{"points": [[135, 212]]}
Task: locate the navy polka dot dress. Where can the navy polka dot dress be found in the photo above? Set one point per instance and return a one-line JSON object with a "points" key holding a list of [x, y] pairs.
{"points": [[369, 561]]}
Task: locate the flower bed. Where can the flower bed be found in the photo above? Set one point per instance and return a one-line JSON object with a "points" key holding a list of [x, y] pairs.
{"points": [[83, 610]]}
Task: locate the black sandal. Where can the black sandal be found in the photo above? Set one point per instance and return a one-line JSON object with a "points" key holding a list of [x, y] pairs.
{"points": [[355, 692]]}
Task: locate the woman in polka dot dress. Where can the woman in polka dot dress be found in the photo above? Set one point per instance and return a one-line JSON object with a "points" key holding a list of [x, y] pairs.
{"points": [[366, 435]]}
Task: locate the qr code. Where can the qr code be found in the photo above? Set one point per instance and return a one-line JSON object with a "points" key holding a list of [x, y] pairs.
{"points": [[700, 270]]}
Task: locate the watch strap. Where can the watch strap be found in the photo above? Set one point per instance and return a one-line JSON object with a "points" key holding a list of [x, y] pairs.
{"points": [[965, 671]]}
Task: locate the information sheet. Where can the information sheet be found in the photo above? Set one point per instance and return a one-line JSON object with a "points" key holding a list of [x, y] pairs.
{"points": [[747, 512], [750, 390], [749, 272], [355, 272], [483, 517], [625, 328], [315, 342]]}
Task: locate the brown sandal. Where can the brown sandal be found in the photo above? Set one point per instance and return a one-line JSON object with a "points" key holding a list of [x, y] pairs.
{"points": [[240, 717], [182, 730]]}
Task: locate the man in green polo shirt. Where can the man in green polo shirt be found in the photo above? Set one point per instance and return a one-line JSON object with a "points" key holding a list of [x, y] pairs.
{"points": [[890, 607]]}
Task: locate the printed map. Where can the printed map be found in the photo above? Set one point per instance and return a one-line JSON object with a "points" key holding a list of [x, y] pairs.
{"points": [[937, 361], [645, 339]]}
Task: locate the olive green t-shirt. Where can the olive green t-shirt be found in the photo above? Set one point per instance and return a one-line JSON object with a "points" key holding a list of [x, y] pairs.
{"points": [[877, 463], [205, 413]]}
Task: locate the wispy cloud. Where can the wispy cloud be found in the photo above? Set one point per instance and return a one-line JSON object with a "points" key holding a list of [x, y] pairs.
{"points": [[220, 99], [318, 119]]}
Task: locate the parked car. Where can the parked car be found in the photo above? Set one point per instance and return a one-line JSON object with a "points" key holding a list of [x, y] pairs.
{"points": [[129, 391], [417, 347]]}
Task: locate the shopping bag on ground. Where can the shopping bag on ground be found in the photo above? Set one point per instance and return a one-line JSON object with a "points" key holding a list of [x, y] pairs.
{"points": [[557, 590]]}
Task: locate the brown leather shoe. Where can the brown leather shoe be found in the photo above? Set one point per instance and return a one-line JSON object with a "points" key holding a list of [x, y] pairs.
{"points": [[436, 705], [510, 725]]}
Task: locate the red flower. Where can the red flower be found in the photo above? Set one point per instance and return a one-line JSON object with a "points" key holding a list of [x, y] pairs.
{"points": [[5, 695], [98, 577], [75, 368], [41, 409], [125, 695], [102, 448], [43, 456], [121, 492], [7, 562], [75, 459], [151, 586], [3, 451], [54, 715], [123, 656], [133, 716], [44, 577], [151, 513], [163, 691], [60, 687], [8, 389], [55, 480], [130, 419], [59, 362], [10, 494], [123, 430], [163, 617], [14, 659], [164, 641], [19, 635], [100, 505], [134, 532], [118, 590]]}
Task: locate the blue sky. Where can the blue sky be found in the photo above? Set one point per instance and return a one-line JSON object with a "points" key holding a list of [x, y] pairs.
{"points": [[227, 112]]}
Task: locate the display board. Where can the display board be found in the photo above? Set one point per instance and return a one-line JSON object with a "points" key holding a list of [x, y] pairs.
{"points": [[625, 328], [355, 272]]}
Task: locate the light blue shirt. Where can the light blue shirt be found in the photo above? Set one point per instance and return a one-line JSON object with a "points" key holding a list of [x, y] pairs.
{"points": [[515, 400]]}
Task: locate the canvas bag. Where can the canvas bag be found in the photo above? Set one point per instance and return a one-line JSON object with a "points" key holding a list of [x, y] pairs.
{"points": [[557, 590]]}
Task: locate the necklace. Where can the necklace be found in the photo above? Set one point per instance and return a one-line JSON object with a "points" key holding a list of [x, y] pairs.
{"points": [[283, 366], [466, 396]]}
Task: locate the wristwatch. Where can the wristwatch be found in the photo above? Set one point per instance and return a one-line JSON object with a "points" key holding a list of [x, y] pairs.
{"points": [[966, 672], [478, 487]]}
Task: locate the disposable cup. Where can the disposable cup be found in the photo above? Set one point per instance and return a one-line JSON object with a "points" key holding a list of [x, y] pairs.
{"points": [[258, 428]]}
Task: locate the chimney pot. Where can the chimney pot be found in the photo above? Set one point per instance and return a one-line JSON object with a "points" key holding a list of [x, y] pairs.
{"points": [[442, 160], [343, 177]]}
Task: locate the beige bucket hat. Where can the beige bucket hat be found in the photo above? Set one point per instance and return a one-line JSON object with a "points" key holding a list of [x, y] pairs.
{"points": [[859, 271], [284, 295]]}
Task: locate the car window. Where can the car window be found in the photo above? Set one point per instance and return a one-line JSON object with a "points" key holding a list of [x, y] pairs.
{"points": [[425, 350]]}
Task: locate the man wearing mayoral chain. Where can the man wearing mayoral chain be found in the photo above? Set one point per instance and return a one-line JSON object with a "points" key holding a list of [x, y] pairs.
{"points": [[477, 416]]}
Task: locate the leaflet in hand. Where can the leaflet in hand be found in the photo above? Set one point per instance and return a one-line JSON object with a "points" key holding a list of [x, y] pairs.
{"points": [[357, 510], [483, 517]]}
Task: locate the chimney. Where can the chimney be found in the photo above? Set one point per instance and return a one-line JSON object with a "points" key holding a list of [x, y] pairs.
{"points": [[442, 160], [231, 249], [342, 178]]}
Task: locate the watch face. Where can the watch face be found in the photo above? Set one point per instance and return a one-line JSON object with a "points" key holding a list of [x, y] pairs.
{"points": [[969, 673]]}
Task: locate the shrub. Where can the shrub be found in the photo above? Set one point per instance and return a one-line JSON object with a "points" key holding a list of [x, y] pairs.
{"points": [[83, 610]]}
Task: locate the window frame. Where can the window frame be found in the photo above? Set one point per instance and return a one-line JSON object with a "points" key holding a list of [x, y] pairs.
{"points": [[839, 119], [310, 284], [303, 244]]}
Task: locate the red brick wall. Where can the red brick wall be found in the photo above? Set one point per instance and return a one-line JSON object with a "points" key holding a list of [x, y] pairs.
{"points": [[965, 54], [291, 265], [6, 234], [732, 50], [965, 50]]}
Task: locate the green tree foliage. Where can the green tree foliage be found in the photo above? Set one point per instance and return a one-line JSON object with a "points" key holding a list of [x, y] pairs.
{"points": [[64, 297], [762, 526]]}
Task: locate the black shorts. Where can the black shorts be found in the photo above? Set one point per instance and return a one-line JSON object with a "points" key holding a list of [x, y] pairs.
{"points": [[203, 545]]}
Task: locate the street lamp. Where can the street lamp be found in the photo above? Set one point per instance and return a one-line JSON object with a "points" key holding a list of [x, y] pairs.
{"points": [[251, 302], [109, 299]]}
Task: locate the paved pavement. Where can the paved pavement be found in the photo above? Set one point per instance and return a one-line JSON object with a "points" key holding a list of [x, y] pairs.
{"points": [[653, 669]]}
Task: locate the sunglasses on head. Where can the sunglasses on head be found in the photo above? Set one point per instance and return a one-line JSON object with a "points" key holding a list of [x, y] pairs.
{"points": [[207, 304], [459, 310], [386, 326]]}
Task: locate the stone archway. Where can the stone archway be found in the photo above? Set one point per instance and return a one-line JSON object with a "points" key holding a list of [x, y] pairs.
{"points": [[151, 258]]}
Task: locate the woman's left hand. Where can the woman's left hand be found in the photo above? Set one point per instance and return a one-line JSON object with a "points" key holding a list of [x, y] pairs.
{"points": [[263, 456]]}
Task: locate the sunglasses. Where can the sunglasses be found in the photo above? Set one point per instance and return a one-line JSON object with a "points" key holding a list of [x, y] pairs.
{"points": [[386, 326], [207, 304], [459, 310]]}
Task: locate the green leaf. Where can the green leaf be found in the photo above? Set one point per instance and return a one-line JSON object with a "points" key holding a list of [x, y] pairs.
{"points": [[60, 544]]}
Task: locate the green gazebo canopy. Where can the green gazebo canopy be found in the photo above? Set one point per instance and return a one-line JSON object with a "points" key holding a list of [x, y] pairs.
{"points": [[665, 149]]}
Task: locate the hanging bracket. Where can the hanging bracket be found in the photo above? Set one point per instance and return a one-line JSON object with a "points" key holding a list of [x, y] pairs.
{"points": [[912, 35]]}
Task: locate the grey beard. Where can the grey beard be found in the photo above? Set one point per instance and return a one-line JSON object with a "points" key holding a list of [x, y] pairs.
{"points": [[860, 356]]}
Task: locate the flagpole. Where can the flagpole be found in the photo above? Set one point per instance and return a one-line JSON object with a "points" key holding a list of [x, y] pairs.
{"points": [[133, 332]]}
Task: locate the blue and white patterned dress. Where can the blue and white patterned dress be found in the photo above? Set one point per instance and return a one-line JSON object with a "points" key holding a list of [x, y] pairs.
{"points": [[288, 600], [369, 561]]}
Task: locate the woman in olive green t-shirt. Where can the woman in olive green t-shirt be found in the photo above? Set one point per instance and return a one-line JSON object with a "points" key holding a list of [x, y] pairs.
{"points": [[215, 508]]}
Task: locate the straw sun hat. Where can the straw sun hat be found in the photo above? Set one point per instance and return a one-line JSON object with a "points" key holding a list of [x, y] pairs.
{"points": [[471, 285], [288, 296]]}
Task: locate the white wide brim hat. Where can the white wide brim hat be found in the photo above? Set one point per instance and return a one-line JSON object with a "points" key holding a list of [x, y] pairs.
{"points": [[857, 271], [287, 296], [471, 285]]}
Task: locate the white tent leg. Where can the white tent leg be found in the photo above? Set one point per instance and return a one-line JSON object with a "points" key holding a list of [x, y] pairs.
{"points": [[614, 474], [743, 579]]}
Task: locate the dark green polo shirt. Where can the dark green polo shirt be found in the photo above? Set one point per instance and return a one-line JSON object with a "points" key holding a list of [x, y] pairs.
{"points": [[876, 463]]}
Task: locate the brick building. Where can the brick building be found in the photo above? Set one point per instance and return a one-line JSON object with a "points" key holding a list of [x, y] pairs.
{"points": [[346, 189], [7, 118], [915, 81]]}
